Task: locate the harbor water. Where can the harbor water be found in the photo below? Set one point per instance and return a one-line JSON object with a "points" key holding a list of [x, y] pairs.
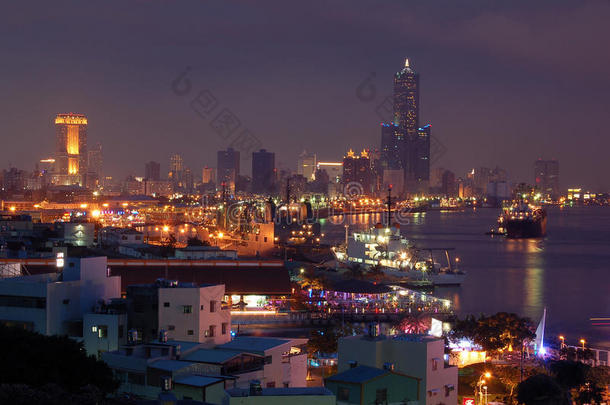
{"points": [[568, 271]]}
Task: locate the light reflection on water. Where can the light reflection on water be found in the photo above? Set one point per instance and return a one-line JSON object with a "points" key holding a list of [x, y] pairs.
{"points": [[568, 271]]}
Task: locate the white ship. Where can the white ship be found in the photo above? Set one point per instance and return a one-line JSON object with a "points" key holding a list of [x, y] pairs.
{"points": [[384, 247]]}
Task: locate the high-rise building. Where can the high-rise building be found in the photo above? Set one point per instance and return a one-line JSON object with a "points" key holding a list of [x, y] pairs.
{"points": [[405, 145], [306, 165], [406, 100], [152, 171], [263, 172], [357, 174], [392, 144], [71, 158], [207, 175], [176, 170], [227, 168], [96, 161], [546, 177]]}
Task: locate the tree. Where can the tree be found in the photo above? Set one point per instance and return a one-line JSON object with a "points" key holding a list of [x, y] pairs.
{"points": [[195, 241], [569, 374], [496, 332], [541, 389], [414, 323], [326, 340], [36, 360]]}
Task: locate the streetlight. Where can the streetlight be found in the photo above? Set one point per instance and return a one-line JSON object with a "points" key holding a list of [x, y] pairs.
{"points": [[485, 388], [563, 341], [480, 384], [582, 342]]}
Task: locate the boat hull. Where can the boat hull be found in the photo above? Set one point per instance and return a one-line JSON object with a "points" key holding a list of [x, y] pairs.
{"points": [[527, 228]]}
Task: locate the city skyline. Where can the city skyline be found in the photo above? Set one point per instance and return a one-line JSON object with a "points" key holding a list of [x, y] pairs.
{"points": [[474, 94]]}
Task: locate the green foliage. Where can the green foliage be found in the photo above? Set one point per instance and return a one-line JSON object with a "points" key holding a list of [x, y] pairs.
{"points": [[541, 389], [36, 360], [495, 332], [195, 241], [326, 340], [569, 374]]}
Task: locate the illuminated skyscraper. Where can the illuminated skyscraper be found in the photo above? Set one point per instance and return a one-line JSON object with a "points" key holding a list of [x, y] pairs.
{"points": [[176, 171], [207, 175], [406, 99], [357, 174], [71, 158], [404, 144]]}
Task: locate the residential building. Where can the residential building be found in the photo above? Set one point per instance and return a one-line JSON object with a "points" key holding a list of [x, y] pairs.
{"points": [[368, 385], [105, 327], [185, 311], [419, 356], [285, 359], [56, 303], [195, 313]]}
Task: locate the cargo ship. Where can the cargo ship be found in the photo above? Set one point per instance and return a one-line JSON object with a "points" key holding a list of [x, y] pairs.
{"points": [[523, 220]]}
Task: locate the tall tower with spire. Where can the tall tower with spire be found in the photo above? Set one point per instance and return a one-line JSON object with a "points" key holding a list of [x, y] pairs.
{"points": [[406, 99], [404, 144]]}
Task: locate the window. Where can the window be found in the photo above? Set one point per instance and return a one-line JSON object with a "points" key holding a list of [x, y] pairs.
{"points": [[189, 332], [212, 306], [343, 394], [66, 301], [268, 359], [187, 309], [202, 307], [171, 327], [381, 396], [435, 362], [212, 331], [271, 384], [265, 238], [448, 389], [102, 331], [166, 304], [224, 328]]}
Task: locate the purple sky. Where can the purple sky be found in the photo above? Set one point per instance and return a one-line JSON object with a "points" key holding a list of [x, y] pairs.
{"points": [[502, 82]]}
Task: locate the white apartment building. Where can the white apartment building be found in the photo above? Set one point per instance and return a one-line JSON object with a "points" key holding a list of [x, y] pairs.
{"points": [[192, 313], [420, 356], [55, 303]]}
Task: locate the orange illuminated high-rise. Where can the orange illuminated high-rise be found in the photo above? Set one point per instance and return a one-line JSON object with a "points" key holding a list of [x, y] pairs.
{"points": [[71, 149]]}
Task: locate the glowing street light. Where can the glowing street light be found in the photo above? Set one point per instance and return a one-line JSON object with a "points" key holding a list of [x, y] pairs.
{"points": [[563, 341], [582, 342]]}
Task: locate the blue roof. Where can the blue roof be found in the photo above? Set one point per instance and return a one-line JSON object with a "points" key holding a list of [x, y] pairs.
{"points": [[358, 374], [170, 365], [197, 380], [253, 344], [215, 356]]}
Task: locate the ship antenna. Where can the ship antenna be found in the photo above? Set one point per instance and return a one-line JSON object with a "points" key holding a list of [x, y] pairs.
{"points": [[389, 204]]}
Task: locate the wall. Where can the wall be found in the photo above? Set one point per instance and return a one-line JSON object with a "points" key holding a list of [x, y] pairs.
{"points": [[199, 320]]}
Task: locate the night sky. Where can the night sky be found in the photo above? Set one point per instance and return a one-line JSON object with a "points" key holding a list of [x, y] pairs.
{"points": [[503, 82]]}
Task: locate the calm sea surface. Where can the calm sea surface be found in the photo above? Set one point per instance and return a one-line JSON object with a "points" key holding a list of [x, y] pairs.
{"points": [[568, 272]]}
